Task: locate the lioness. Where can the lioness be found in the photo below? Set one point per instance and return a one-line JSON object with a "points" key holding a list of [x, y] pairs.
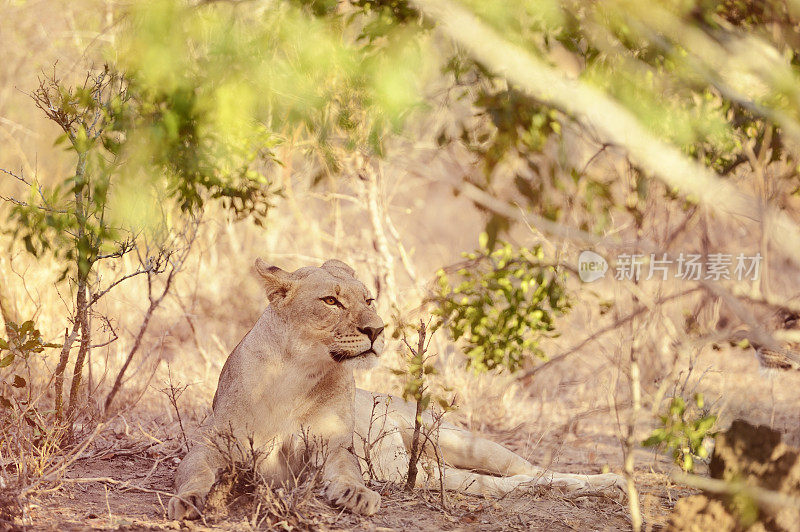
{"points": [[292, 375]]}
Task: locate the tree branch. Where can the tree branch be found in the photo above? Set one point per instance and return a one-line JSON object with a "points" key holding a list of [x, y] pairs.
{"points": [[100, 294], [614, 123]]}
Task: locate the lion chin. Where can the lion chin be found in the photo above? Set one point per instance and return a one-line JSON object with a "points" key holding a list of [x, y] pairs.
{"points": [[362, 361], [283, 383]]}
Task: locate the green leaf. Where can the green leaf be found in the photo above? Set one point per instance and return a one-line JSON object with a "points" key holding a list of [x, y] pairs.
{"points": [[60, 139], [705, 424], [425, 402], [699, 400], [26, 328], [652, 441], [7, 360]]}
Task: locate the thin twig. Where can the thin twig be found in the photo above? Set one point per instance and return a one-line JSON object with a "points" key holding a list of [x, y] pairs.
{"points": [[96, 297], [174, 393], [612, 327]]}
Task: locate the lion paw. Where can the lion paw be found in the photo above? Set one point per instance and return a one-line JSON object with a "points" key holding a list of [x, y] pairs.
{"points": [[184, 506], [355, 497]]}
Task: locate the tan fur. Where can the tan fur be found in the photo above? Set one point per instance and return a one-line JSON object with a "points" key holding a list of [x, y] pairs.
{"points": [[292, 373]]}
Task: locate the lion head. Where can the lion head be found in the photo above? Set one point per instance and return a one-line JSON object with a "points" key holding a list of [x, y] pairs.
{"points": [[330, 306]]}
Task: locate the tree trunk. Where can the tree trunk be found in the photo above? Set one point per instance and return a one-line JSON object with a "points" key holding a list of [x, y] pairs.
{"points": [[80, 301], [86, 342], [81, 304]]}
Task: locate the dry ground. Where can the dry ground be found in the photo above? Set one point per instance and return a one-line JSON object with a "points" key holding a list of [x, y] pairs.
{"points": [[96, 505], [142, 451]]}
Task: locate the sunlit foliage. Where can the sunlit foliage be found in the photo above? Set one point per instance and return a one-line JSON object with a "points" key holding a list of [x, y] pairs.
{"points": [[683, 431], [501, 303]]}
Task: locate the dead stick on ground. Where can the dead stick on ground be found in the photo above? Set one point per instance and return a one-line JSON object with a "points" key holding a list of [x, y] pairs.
{"points": [[773, 501], [66, 461]]}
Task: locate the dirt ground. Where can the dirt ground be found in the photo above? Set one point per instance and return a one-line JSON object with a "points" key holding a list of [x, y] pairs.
{"points": [[123, 479], [122, 482], [97, 505]]}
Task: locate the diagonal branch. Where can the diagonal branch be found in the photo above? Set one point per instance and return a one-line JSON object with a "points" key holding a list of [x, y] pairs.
{"points": [[96, 297], [613, 122]]}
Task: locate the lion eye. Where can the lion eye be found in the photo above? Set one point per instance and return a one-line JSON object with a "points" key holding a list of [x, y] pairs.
{"points": [[330, 300], [370, 301]]}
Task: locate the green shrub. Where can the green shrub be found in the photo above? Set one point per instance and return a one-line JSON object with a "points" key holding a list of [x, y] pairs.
{"points": [[501, 303], [683, 430]]}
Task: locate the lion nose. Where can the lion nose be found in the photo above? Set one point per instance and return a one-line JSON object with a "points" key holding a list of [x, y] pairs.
{"points": [[371, 332]]}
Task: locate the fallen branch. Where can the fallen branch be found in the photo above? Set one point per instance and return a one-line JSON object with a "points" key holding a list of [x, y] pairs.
{"points": [[772, 501]]}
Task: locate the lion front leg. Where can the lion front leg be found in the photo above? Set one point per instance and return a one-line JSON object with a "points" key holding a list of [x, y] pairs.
{"points": [[196, 473], [345, 486]]}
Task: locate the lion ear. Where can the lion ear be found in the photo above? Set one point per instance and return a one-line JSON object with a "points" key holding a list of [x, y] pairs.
{"points": [[276, 281], [334, 265]]}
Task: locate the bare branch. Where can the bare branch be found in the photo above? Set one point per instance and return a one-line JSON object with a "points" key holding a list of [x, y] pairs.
{"points": [[109, 327], [15, 176], [15, 201], [597, 334], [176, 266], [100, 294]]}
